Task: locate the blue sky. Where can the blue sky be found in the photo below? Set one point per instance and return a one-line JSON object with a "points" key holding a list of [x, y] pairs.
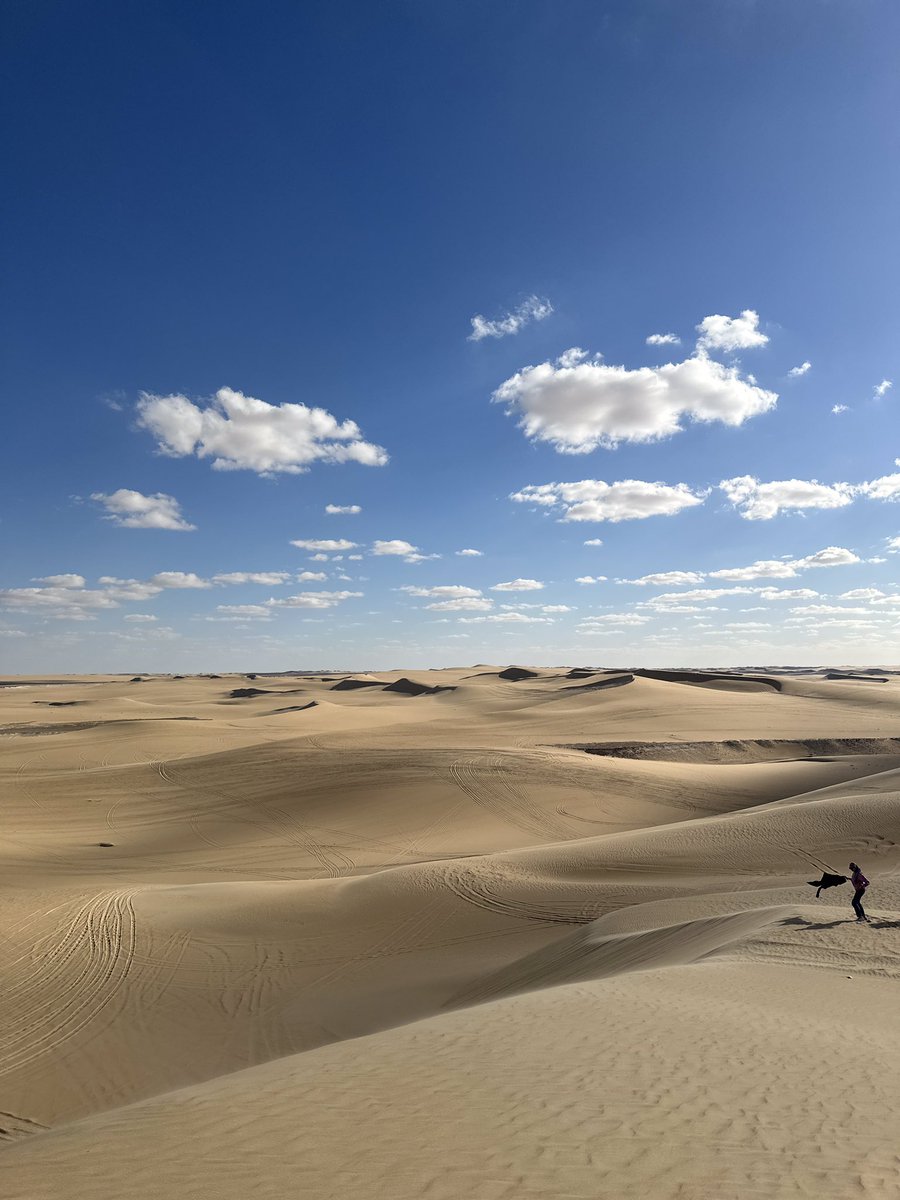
{"points": [[263, 259]]}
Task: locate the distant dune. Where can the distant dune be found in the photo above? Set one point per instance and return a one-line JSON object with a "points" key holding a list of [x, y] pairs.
{"points": [[496, 932]]}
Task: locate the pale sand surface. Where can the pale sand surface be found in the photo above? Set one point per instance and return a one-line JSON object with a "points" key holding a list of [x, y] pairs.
{"points": [[562, 974]]}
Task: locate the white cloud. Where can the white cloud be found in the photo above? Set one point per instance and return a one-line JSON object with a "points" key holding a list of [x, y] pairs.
{"points": [[312, 600], [556, 608], [730, 333], [883, 388], [343, 509], [141, 618], [614, 619], [62, 581], [771, 593], [400, 549], [447, 591], [795, 372], [518, 585], [591, 579], [269, 578], [133, 510], [394, 547], [509, 618], [627, 500], [241, 433], [462, 604], [244, 611], [761, 501], [885, 488], [893, 545], [813, 610], [129, 589], [579, 408], [831, 556], [531, 309], [72, 603], [332, 545], [666, 578], [663, 339], [837, 409], [310, 576], [861, 594], [594, 542], [696, 595], [469, 553], [179, 579]]}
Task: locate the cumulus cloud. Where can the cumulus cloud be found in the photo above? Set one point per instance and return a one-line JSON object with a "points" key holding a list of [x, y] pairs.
{"points": [[269, 578], [518, 585], [627, 500], [885, 488], [761, 501], [241, 433], [580, 407], [594, 542], [343, 509], [141, 618], [883, 388], [310, 576], [62, 581], [666, 578], [766, 568], [462, 604], [591, 579], [730, 333], [771, 593], [470, 553], [837, 409], [696, 595], [129, 589], [814, 610], [331, 545], [831, 556], [795, 372], [663, 339], [556, 608], [73, 603], [179, 579], [445, 591], [312, 600], [862, 594], [133, 510], [244, 612], [509, 618], [400, 549], [622, 618], [531, 309]]}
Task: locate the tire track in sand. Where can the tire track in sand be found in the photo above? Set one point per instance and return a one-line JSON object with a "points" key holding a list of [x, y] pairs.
{"points": [[77, 970]]}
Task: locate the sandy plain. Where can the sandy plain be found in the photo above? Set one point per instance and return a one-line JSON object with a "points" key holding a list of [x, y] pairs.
{"points": [[492, 934]]}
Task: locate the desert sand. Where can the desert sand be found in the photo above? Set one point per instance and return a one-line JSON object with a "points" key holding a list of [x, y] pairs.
{"points": [[482, 932]]}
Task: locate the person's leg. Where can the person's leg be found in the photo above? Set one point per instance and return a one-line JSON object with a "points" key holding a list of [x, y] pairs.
{"points": [[859, 908]]}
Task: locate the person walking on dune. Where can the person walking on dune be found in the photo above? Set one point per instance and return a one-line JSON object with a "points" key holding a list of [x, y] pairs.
{"points": [[859, 883]]}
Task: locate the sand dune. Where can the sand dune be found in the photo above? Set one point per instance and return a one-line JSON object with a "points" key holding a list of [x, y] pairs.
{"points": [[568, 918]]}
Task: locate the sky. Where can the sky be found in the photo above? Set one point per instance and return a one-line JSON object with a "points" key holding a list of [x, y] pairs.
{"points": [[416, 334]]}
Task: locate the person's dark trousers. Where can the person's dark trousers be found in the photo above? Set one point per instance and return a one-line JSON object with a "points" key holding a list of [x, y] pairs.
{"points": [[857, 904]]}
